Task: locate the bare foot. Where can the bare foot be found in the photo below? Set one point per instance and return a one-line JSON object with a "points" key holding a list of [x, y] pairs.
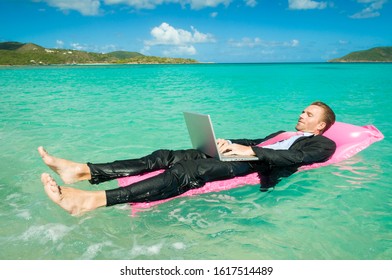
{"points": [[74, 201], [69, 171]]}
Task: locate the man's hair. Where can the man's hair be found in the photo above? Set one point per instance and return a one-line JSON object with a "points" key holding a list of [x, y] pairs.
{"points": [[328, 117]]}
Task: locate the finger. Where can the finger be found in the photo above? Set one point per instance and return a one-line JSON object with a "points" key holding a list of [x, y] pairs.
{"points": [[220, 142], [223, 149]]}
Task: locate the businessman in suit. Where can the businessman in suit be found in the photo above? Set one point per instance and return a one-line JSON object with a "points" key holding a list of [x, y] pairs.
{"points": [[189, 169]]}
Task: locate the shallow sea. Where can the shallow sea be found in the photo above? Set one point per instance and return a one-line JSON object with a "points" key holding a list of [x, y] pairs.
{"points": [[103, 113]]}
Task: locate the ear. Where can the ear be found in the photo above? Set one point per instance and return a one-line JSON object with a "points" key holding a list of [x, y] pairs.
{"points": [[321, 126]]}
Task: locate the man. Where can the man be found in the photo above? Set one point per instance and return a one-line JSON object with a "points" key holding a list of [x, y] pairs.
{"points": [[188, 169]]}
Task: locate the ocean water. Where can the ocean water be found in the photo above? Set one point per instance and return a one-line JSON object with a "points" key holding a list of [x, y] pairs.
{"points": [[104, 113]]}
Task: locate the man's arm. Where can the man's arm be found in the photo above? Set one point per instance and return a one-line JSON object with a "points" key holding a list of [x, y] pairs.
{"points": [[302, 152], [227, 148], [254, 142], [241, 146]]}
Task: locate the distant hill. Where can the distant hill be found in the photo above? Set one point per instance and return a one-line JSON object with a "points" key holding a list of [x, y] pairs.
{"points": [[10, 46], [380, 54], [15, 53], [124, 54]]}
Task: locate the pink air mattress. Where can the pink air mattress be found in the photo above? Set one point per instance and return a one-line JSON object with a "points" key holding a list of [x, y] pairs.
{"points": [[350, 139]]}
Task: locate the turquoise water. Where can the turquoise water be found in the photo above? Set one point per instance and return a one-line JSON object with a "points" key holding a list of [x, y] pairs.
{"points": [[103, 113]]}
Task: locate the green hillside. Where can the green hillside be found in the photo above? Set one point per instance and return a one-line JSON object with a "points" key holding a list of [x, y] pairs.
{"points": [[10, 46], [125, 55], [380, 54], [15, 53]]}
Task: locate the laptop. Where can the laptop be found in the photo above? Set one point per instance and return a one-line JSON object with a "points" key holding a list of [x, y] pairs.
{"points": [[203, 138]]}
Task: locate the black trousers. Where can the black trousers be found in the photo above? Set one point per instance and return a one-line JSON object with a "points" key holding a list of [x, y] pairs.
{"points": [[184, 170]]}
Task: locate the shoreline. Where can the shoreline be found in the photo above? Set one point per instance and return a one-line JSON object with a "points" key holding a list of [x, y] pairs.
{"points": [[197, 63]]}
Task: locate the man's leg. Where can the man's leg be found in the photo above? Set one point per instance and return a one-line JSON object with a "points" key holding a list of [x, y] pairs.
{"points": [[181, 177], [71, 172], [72, 200], [160, 159]]}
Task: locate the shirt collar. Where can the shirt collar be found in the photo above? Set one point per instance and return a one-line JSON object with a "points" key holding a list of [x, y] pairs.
{"points": [[308, 134]]}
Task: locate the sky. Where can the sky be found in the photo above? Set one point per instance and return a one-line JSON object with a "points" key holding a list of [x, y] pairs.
{"points": [[221, 31]]}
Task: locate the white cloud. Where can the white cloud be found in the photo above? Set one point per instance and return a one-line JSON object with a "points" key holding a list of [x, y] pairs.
{"points": [[371, 10], [92, 7], [214, 14], [306, 5], [246, 42], [251, 3], [91, 48], [108, 48], [343, 42], [293, 43], [85, 7], [59, 44], [180, 50], [139, 4], [151, 4], [200, 4], [165, 34], [257, 42], [180, 40], [79, 47]]}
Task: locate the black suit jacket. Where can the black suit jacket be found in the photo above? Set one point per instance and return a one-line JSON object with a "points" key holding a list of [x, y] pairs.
{"points": [[274, 164]]}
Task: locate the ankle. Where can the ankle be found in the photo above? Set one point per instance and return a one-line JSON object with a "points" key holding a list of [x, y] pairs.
{"points": [[83, 172], [95, 200]]}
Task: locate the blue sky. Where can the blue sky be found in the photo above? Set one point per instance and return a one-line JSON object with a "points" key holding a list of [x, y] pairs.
{"points": [[206, 30]]}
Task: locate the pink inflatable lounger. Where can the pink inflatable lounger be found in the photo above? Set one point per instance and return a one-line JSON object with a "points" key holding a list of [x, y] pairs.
{"points": [[350, 139]]}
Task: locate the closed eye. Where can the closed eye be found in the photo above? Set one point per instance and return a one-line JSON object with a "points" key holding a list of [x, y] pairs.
{"points": [[309, 114]]}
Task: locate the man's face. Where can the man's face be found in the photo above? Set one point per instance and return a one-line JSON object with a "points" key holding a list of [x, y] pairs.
{"points": [[310, 120]]}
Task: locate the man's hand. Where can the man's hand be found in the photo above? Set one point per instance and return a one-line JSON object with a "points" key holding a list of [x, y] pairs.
{"points": [[227, 148], [222, 145]]}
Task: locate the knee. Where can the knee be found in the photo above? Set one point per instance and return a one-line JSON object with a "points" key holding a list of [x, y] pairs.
{"points": [[157, 159], [185, 175], [162, 153]]}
